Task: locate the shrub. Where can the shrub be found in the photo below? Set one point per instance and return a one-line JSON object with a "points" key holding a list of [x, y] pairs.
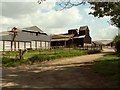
{"points": [[6, 60], [117, 44], [41, 58], [10, 61], [55, 54], [93, 51]]}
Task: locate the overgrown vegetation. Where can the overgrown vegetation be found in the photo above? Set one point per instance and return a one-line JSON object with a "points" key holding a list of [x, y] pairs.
{"points": [[93, 51], [10, 58], [108, 66], [117, 44]]}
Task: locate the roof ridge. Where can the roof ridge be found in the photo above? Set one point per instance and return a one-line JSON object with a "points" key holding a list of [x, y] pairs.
{"points": [[31, 28]]}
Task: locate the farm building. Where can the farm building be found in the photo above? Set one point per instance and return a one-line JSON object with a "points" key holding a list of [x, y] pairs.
{"points": [[72, 38], [107, 43], [25, 38]]}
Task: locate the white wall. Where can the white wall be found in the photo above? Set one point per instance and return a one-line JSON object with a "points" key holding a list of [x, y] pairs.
{"points": [[1, 45], [38, 44], [17, 46], [33, 44], [27, 45], [21, 45], [43, 45], [7, 45]]}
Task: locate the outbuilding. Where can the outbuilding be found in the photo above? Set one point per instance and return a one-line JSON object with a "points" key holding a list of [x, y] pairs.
{"points": [[25, 38]]}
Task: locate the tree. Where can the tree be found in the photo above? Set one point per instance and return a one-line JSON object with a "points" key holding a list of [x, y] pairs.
{"points": [[117, 43], [111, 9]]}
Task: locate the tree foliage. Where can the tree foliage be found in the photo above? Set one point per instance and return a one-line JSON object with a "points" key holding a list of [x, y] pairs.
{"points": [[111, 9], [117, 43]]}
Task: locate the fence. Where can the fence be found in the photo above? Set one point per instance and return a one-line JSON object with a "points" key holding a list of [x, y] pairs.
{"points": [[81, 48], [91, 48]]}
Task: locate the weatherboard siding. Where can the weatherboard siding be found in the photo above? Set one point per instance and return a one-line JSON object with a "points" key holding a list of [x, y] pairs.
{"points": [[1, 45]]}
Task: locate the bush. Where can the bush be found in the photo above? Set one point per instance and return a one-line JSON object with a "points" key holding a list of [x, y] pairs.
{"points": [[6, 60], [55, 55], [41, 58], [93, 51], [10, 61], [117, 44]]}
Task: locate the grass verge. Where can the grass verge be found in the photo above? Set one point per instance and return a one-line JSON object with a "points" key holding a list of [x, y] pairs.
{"points": [[108, 66], [38, 56]]}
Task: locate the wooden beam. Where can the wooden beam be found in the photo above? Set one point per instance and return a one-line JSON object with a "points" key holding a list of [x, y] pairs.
{"points": [[11, 45], [18, 45], [3, 45], [45, 44], [36, 44], [40, 44], [30, 44], [65, 43], [24, 45], [14, 45], [48, 45]]}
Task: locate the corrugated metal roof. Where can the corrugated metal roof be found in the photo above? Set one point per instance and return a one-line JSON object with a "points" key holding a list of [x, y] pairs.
{"points": [[6, 37], [25, 36], [103, 42], [83, 28], [62, 36], [33, 29], [83, 36], [4, 33], [61, 39]]}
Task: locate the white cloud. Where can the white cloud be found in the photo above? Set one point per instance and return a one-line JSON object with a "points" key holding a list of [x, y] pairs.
{"points": [[49, 20], [105, 33], [88, 10], [105, 17], [54, 20]]}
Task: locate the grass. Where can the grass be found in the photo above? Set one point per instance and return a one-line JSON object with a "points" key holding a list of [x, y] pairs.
{"points": [[9, 58], [108, 66]]}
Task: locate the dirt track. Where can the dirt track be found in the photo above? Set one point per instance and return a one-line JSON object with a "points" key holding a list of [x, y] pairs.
{"points": [[72, 72]]}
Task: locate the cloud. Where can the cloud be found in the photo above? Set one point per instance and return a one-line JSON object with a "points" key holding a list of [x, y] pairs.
{"points": [[88, 10], [105, 33], [43, 16], [58, 19], [17, 9], [54, 22]]}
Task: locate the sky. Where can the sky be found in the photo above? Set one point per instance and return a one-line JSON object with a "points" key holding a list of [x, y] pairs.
{"points": [[49, 18]]}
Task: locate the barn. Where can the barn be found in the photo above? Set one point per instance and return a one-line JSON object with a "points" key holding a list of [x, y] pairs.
{"points": [[74, 37], [25, 38], [106, 43]]}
